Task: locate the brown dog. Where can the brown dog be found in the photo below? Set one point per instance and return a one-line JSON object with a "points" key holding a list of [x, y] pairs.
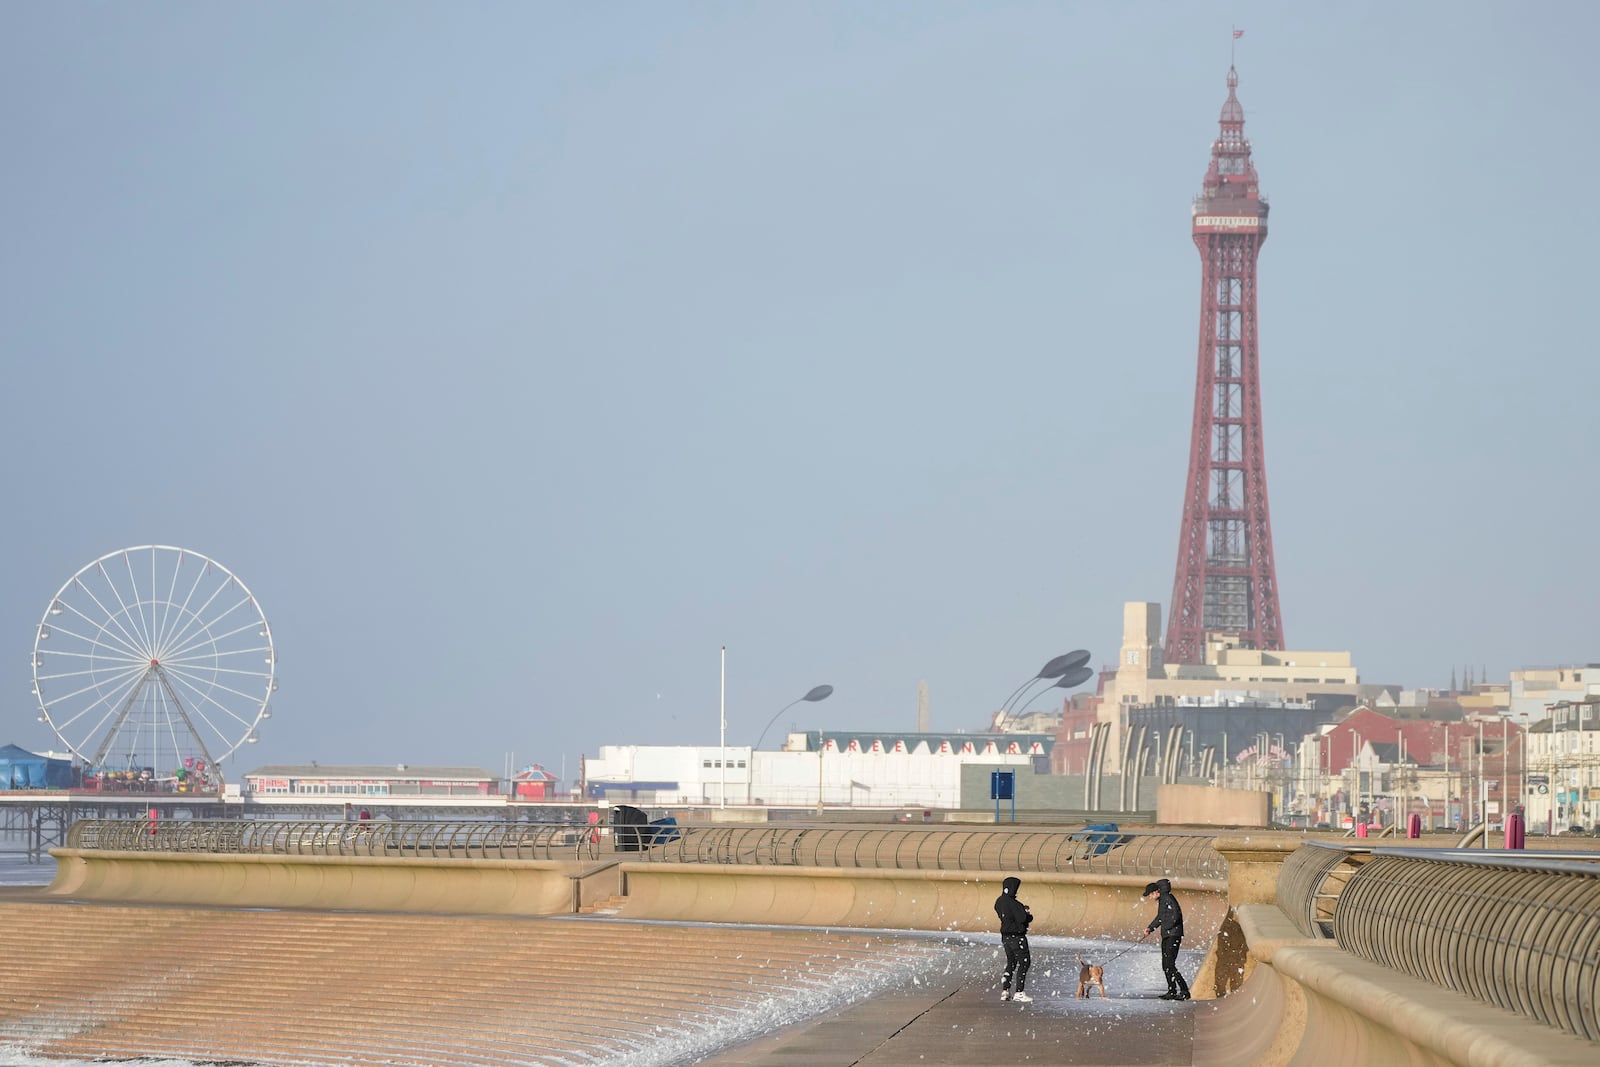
{"points": [[1090, 976]]}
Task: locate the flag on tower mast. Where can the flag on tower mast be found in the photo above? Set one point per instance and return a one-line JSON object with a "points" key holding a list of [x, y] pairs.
{"points": [[1237, 34]]}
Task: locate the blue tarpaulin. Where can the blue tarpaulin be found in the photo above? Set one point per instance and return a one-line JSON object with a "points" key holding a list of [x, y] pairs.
{"points": [[1101, 837], [21, 769]]}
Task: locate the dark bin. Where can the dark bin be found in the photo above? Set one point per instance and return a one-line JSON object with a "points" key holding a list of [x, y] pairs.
{"points": [[630, 828]]}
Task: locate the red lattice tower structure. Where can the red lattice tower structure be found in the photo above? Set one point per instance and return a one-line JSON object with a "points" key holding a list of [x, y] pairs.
{"points": [[1226, 582]]}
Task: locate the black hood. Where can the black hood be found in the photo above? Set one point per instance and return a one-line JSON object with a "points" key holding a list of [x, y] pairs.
{"points": [[1162, 885], [1010, 886]]}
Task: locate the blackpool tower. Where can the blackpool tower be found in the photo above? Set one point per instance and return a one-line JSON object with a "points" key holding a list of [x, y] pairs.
{"points": [[1225, 582]]}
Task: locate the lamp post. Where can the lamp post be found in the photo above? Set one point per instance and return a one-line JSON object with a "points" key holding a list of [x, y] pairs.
{"points": [[1483, 789], [1071, 680], [814, 694], [1055, 668], [722, 731], [1280, 787]]}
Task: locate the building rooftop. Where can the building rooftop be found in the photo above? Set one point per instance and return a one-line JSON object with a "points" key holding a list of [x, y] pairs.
{"points": [[864, 739], [367, 771]]}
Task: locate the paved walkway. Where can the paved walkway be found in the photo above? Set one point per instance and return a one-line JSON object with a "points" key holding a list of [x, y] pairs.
{"points": [[965, 1027]]}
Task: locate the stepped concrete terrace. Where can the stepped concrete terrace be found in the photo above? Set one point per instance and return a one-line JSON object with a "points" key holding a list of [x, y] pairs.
{"points": [[815, 945]]}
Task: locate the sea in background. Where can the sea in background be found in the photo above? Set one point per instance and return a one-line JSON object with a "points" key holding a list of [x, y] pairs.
{"points": [[16, 870]]}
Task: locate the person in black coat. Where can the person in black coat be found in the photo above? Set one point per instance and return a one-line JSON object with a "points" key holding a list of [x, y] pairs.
{"points": [[1169, 918], [1014, 919]]}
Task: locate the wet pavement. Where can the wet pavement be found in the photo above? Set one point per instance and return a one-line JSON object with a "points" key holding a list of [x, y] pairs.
{"points": [[963, 1026]]}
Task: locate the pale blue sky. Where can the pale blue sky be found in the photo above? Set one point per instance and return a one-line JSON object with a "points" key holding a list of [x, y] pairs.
{"points": [[519, 355]]}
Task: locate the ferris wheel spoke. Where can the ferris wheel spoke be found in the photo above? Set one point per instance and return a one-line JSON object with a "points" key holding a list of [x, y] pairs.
{"points": [[201, 671], [206, 636], [155, 628], [99, 654], [136, 612], [127, 638], [183, 610], [174, 717], [196, 684], [217, 657], [112, 699], [172, 587], [148, 621], [207, 698], [112, 639], [94, 641], [110, 680], [126, 627], [101, 673], [198, 616]]}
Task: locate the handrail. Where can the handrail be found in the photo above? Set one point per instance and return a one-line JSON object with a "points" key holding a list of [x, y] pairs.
{"points": [[1135, 852], [1310, 882], [1519, 932]]}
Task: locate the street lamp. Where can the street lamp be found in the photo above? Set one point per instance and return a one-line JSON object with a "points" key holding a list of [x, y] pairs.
{"points": [[1071, 680], [1055, 668], [816, 693]]}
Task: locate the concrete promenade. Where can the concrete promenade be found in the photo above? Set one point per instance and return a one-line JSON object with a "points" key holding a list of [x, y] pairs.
{"points": [[458, 960], [956, 1026]]}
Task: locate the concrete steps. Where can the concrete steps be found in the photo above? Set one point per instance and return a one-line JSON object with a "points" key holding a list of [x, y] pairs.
{"points": [[604, 906], [90, 981]]}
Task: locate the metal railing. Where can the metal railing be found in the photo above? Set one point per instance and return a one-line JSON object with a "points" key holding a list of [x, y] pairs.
{"points": [[1059, 850], [1521, 933], [1056, 850], [378, 837], [1310, 882]]}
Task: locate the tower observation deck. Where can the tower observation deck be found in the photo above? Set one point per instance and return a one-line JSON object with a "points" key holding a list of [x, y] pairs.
{"points": [[1225, 582]]}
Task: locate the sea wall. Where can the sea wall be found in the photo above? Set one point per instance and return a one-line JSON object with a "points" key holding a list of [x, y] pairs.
{"points": [[1084, 905], [1305, 997], [347, 883], [1074, 905]]}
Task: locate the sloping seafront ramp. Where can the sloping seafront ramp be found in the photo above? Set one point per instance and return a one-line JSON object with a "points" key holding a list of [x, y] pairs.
{"points": [[482, 943], [339, 988]]}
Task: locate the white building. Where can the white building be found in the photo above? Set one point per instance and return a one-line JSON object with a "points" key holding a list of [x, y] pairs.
{"points": [[1563, 772], [835, 769], [1535, 689]]}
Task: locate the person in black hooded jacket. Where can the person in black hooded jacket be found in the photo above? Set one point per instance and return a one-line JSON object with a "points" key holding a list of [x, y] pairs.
{"points": [[1169, 917], [1014, 919]]}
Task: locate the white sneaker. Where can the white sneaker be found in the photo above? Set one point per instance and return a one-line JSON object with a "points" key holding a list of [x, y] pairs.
{"points": [[1022, 998], [1005, 994]]}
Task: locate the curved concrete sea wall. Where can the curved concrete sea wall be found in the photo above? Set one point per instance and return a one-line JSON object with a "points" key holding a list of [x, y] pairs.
{"points": [[1101, 905], [1366, 953], [1308, 1002], [1065, 904], [350, 883]]}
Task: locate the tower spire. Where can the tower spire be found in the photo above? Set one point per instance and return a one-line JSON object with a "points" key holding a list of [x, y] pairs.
{"points": [[1226, 581]]}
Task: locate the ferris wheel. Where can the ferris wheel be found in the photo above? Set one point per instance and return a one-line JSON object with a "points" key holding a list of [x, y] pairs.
{"points": [[153, 664]]}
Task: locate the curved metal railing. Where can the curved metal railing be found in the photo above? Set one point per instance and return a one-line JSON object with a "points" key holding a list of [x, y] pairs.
{"points": [[1136, 853], [1054, 850], [1311, 880], [379, 837], [1521, 933]]}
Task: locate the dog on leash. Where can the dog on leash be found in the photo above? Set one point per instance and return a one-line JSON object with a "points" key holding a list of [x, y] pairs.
{"points": [[1090, 976]]}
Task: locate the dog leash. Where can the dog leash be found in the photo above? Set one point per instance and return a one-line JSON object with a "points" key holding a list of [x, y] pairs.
{"points": [[1125, 951]]}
